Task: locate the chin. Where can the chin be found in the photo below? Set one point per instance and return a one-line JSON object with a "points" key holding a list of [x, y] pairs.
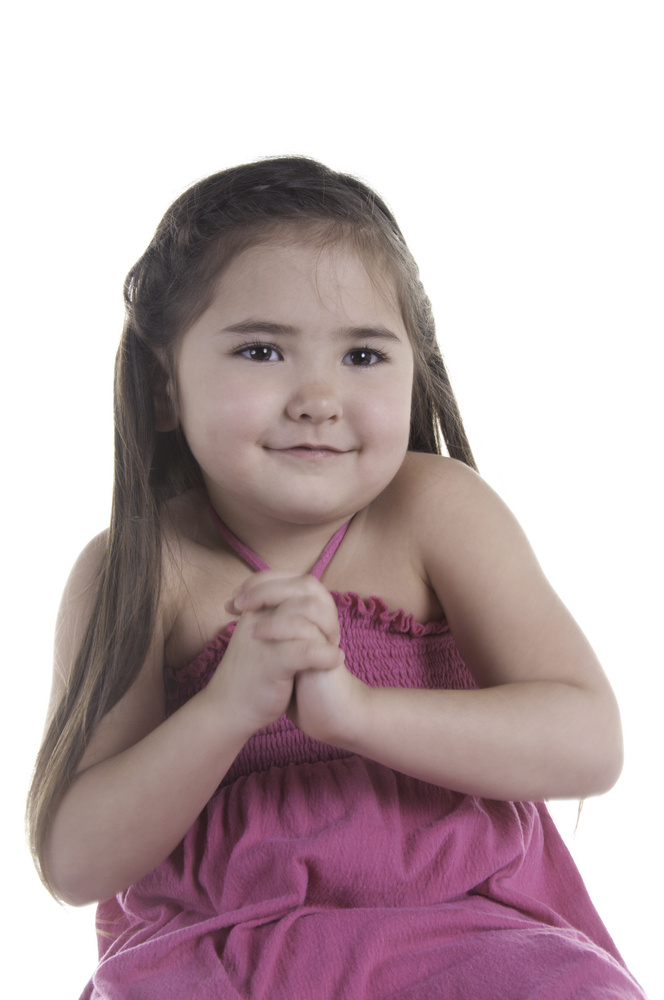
{"points": [[309, 516]]}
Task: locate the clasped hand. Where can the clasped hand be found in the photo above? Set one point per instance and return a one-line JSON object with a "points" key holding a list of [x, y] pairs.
{"points": [[284, 656]]}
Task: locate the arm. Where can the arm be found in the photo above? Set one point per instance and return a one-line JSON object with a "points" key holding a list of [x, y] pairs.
{"points": [[143, 781], [544, 722]]}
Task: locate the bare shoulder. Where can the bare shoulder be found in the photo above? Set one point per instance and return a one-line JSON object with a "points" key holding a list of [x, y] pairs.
{"points": [[446, 506], [76, 608], [446, 480], [507, 620], [85, 571], [406, 531], [466, 535], [142, 708], [449, 506]]}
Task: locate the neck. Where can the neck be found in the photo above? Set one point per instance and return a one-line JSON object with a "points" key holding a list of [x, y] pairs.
{"points": [[289, 546]]}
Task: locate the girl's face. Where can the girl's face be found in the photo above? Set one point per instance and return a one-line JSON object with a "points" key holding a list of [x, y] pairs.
{"points": [[294, 387]]}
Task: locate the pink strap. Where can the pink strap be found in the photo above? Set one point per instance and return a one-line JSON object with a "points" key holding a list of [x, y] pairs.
{"points": [[257, 563], [330, 549]]}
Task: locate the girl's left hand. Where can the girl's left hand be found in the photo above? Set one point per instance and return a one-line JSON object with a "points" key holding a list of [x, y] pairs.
{"points": [[329, 705]]}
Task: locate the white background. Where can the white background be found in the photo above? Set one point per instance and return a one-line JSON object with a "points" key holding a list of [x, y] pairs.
{"points": [[520, 146]]}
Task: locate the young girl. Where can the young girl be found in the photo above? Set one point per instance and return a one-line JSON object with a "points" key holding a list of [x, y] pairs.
{"points": [[312, 684]]}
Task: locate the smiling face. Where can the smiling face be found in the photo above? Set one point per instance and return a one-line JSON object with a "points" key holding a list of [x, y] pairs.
{"points": [[294, 387]]}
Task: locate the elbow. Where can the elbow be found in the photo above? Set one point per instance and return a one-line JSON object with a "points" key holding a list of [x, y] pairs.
{"points": [[72, 885], [605, 753], [67, 876], [66, 885], [610, 768], [601, 776], [73, 891], [72, 898]]}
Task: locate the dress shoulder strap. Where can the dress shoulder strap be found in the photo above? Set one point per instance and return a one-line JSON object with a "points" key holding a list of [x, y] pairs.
{"points": [[258, 564], [330, 549], [242, 550]]}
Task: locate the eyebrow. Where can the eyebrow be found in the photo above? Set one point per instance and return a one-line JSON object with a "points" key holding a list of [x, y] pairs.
{"points": [[253, 326]]}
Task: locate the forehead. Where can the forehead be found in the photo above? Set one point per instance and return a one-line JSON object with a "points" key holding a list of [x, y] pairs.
{"points": [[297, 277]]}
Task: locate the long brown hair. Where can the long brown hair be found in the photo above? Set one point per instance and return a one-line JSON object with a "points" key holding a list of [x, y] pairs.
{"points": [[165, 292]]}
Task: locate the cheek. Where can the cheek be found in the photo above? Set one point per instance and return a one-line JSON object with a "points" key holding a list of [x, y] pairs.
{"points": [[388, 415], [402, 397]]}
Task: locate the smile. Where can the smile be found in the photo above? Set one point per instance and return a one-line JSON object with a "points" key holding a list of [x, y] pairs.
{"points": [[309, 452]]}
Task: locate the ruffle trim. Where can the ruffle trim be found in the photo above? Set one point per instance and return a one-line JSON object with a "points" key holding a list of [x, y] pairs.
{"points": [[372, 612], [375, 611]]}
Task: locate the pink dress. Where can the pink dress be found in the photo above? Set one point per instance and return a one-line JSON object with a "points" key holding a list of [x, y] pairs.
{"points": [[315, 874]]}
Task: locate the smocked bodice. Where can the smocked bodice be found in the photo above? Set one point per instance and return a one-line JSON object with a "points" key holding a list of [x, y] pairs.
{"points": [[382, 648]]}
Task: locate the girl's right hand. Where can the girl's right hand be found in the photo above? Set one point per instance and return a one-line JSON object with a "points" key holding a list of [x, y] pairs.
{"points": [[286, 624]]}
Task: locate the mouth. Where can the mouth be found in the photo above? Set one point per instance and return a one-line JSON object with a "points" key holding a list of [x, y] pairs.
{"points": [[310, 451]]}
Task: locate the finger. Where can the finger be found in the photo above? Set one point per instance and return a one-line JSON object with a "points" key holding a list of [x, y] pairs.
{"points": [[319, 609], [269, 588], [242, 598], [282, 625], [304, 596]]}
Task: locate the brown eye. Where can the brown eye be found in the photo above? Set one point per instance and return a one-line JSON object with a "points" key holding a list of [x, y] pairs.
{"points": [[259, 352], [363, 357]]}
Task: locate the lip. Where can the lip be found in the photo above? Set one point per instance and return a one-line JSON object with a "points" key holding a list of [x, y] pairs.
{"points": [[309, 451]]}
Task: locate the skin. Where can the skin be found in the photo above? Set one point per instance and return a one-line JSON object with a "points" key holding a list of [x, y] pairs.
{"points": [[322, 439], [329, 380]]}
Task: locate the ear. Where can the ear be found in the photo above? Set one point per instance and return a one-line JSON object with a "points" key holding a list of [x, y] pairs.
{"points": [[165, 414]]}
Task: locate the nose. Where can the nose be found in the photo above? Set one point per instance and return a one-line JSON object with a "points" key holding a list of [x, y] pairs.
{"points": [[315, 400]]}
